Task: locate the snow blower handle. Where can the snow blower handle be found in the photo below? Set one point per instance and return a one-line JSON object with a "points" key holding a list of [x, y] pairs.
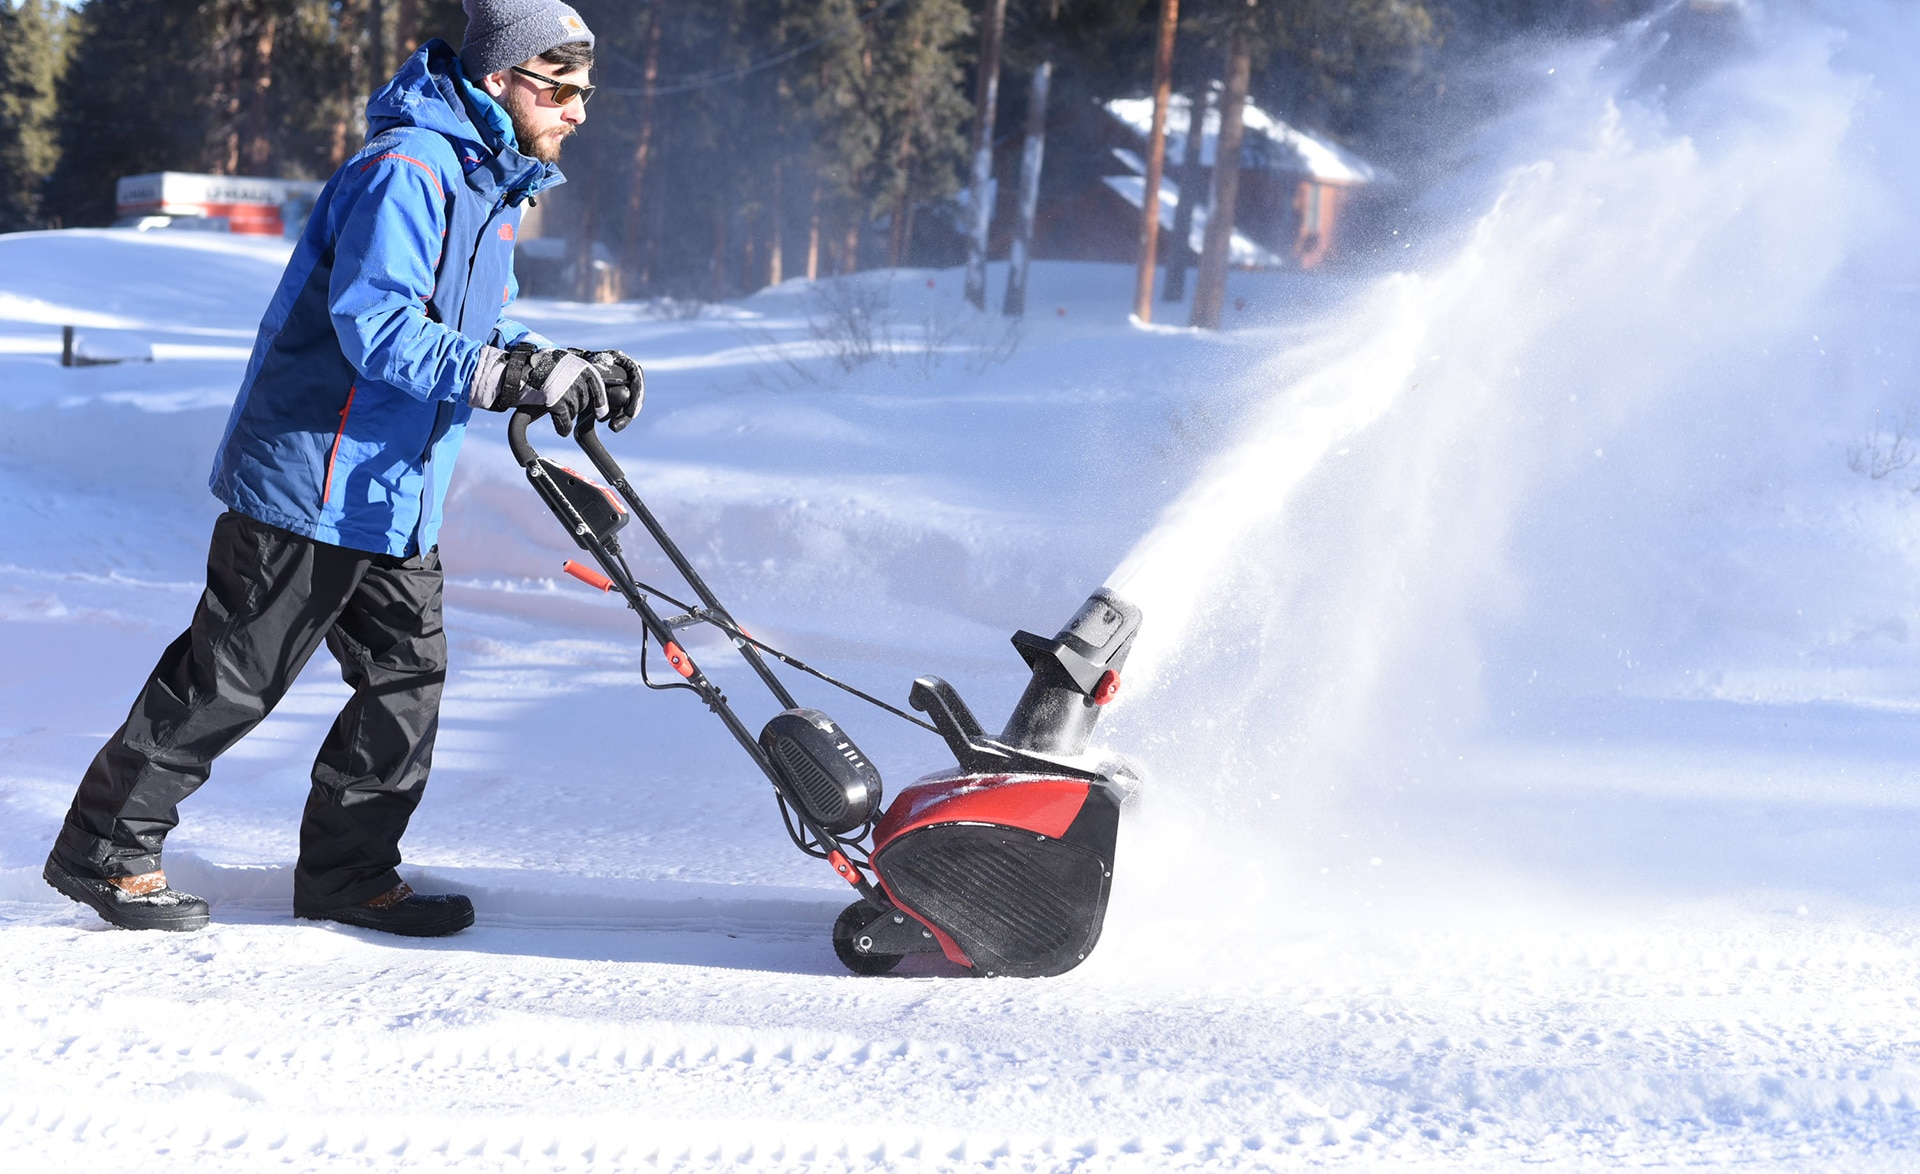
{"points": [[523, 452], [587, 436]]}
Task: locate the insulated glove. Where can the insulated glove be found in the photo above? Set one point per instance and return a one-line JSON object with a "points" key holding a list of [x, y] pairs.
{"points": [[524, 375], [626, 384]]}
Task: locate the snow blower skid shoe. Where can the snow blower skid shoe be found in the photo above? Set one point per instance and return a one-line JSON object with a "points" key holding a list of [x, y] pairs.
{"points": [[1003, 866]]}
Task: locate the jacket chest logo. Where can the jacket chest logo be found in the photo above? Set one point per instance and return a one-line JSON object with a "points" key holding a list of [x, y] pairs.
{"points": [[506, 232]]}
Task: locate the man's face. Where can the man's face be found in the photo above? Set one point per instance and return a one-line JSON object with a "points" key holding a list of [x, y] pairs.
{"points": [[540, 125]]}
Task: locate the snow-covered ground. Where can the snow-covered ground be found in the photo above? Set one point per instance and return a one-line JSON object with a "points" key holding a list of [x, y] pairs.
{"points": [[1526, 703]]}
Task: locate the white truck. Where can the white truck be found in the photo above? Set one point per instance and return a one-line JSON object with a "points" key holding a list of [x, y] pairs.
{"points": [[218, 203]]}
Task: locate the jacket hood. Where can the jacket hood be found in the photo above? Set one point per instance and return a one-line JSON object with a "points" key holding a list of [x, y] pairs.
{"points": [[431, 91]]}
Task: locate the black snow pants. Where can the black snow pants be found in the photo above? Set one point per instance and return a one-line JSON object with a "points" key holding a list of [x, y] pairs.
{"points": [[272, 597]]}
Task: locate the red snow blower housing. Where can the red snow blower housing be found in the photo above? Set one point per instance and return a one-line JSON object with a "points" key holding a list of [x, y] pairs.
{"points": [[1003, 864]]}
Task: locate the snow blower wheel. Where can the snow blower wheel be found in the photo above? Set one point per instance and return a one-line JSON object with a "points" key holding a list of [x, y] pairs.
{"points": [[1004, 865], [855, 947]]}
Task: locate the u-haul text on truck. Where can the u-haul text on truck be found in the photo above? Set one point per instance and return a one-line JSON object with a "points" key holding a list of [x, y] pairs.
{"points": [[239, 203]]}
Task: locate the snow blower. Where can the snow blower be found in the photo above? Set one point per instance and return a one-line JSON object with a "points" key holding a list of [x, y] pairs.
{"points": [[1003, 865]]}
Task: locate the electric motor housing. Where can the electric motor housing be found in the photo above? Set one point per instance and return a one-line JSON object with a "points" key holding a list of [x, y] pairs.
{"points": [[826, 774]]}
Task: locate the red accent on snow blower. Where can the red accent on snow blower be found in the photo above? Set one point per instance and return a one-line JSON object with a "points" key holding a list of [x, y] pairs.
{"points": [[1108, 686], [1044, 806], [954, 953], [678, 660], [846, 868], [619, 507], [587, 575]]}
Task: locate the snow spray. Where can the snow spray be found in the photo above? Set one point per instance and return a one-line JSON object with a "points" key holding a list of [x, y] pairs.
{"points": [[1512, 480]]}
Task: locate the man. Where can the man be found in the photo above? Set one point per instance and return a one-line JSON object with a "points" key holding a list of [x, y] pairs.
{"points": [[386, 332]]}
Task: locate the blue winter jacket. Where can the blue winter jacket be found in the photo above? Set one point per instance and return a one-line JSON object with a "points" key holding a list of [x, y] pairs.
{"points": [[354, 403]]}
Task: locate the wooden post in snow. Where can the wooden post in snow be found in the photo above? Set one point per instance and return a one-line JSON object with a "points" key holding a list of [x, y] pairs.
{"points": [[1210, 296], [1156, 160], [986, 96], [1032, 154]]}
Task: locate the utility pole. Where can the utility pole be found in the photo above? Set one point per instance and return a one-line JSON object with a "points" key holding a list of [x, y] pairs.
{"points": [[1156, 159], [1032, 154], [986, 97], [1211, 294]]}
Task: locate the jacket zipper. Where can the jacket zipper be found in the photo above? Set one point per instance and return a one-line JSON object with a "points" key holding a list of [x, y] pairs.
{"points": [[487, 228], [333, 454]]}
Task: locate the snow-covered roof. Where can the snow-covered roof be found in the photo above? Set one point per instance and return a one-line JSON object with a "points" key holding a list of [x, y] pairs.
{"points": [[1242, 251], [1270, 144]]}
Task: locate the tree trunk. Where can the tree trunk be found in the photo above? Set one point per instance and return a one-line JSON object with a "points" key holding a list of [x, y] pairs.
{"points": [[1156, 159], [897, 231], [377, 44], [343, 141], [407, 35], [777, 228], [813, 236], [585, 283], [986, 97], [1211, 294], [1032, 154], [718, 269], [643, 148], [256, 144], [223, 138], [850, 258], [1198, 103]]}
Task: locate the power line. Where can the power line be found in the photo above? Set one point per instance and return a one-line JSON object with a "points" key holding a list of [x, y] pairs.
{"points": [[701, 81]]}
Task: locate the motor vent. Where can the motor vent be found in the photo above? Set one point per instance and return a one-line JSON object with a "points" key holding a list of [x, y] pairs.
{"points": [[826, 774]]}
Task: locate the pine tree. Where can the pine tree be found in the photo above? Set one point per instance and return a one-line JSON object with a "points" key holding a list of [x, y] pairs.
{"points": [[133, 101], [32, 57], [922, 113]]}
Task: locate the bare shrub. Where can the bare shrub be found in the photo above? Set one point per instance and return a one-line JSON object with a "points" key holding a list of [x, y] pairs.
{"points": [[852, 322], [1881, 453]]}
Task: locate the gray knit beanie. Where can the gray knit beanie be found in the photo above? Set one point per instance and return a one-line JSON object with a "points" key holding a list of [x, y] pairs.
{"points": [[503, 33]]}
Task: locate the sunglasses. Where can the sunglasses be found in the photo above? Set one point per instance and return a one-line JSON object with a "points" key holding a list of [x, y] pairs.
{"points": [[563, 92]]}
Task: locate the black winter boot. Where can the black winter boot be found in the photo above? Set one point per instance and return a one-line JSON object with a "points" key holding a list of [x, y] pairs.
{"points": [[402, 911], [151, 905]]}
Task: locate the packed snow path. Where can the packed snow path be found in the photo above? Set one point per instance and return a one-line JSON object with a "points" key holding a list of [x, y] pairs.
{"points": [[1526, 699], [259, 1045]]}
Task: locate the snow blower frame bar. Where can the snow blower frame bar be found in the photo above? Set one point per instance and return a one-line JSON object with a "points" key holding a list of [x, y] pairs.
{"points": [[594, 520]]}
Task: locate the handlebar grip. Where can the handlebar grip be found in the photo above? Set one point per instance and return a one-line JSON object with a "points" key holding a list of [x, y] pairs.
{"points": [[523, 451]]}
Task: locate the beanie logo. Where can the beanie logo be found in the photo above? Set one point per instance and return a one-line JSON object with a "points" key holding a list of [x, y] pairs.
{"points": [[574, 24]]}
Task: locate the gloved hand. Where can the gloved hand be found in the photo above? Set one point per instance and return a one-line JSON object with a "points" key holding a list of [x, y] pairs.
{"points": [[626, 384], [524, 375]]}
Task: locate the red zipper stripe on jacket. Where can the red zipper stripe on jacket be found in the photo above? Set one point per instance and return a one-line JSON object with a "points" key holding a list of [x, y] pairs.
{"points": [[409, 159], [333, 454]]}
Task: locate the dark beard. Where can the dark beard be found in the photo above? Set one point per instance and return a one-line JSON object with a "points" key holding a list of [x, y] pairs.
{"points": [[525, 138]]}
